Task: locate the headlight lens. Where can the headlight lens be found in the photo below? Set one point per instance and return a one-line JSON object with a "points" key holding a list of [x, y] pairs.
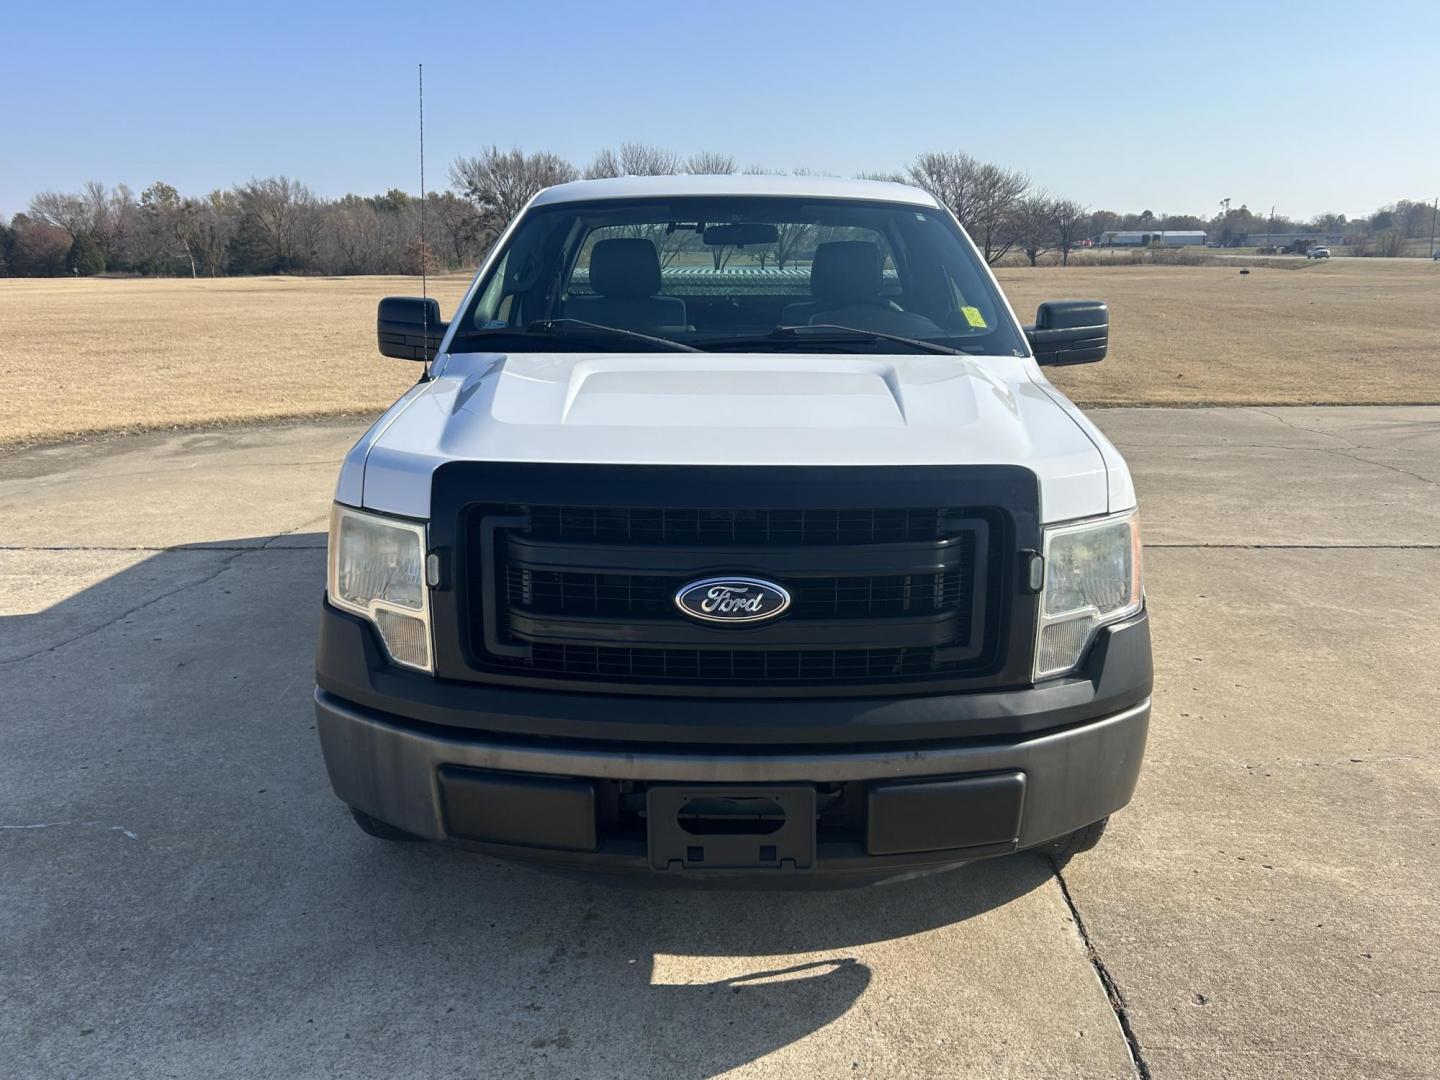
{"points": [[1092, 577], [377, 569]]}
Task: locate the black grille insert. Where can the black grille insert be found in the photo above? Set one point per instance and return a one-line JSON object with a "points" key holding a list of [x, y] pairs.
{"points": [[585, 592], [645, 525], [561, 592]]}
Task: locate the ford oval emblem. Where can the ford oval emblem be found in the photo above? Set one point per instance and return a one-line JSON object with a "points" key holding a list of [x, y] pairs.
{"points": [[732, 600]]}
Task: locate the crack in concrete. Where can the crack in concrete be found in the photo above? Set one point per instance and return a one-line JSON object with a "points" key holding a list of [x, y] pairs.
{"points": [[1328, 450], [270, 545], [1107, 980], [1382, 464], [225, 565], [1309, 431], [1348, 443], [65, 475], [85, 824]]}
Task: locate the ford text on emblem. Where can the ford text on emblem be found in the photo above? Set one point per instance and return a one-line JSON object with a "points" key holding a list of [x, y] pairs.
{"points": [[732, 600]]}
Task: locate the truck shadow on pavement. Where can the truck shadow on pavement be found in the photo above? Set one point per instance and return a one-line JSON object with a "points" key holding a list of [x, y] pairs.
{"points": [[234, 883]]}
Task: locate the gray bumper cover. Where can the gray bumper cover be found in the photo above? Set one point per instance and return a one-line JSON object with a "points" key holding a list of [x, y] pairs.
{"points": [[390, 768]]}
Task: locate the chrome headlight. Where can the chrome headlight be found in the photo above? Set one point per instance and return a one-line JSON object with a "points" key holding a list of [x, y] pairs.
{"points": [[1092, 577], [377, 569]]}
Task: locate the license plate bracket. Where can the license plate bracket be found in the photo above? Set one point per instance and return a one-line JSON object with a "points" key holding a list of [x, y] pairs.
{"points": [[695, 829]]}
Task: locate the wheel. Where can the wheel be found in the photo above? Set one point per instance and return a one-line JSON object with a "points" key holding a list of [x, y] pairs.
{"points": [[1071, 844], [378, 829]]}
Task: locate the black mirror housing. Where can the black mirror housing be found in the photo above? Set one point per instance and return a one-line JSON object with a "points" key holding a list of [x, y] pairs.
{"points": [[409, 327], [1070, 332]]}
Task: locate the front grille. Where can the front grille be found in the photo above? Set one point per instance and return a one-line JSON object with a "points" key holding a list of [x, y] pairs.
{"points": [[645, 525], [558, 592], [731, 666], [587, 593]]}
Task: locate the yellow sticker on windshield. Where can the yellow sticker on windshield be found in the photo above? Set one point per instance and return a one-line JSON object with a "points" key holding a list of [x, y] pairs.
{"points": [[973, 317]]}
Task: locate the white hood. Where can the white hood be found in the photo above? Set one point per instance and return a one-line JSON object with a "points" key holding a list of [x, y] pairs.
{"points": [[719, 409]]}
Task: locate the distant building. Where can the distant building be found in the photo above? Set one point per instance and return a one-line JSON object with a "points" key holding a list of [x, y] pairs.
{"points": [[1155, 237], [1296, 240]]}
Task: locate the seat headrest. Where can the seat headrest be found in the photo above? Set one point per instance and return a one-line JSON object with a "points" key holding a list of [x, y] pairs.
{"points": [[846, 270], [625, 266]]}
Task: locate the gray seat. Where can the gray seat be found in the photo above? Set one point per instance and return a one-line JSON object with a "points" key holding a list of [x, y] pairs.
{"points": [[845, 278], [625, 275]]}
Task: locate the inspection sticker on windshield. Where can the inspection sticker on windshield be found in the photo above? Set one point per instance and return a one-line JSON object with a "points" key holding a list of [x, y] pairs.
{"points": [[973, 317]]}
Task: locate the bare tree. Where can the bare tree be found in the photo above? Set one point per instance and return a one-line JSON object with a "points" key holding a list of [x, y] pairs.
{"points": [[641, 159], [1032, 223], [353, 237], [98, 206], [169, 228], [460, 224], [633, 159], [604, 165], [1071, 222], [982, 196], [37, 247], [280, 222], [997, 192], [500, 184], [216, 218], [63, 210], [1390, 244], [950, 178], [791, 239], [121, 224], [1410, 217], [710, 163]]}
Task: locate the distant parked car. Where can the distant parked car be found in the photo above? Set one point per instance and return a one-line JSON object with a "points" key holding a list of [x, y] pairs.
{"points": [[1436, 256], [1319, 253]]}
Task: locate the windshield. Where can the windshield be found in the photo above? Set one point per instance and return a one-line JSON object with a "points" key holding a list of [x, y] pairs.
{"points": [[727, 273]]}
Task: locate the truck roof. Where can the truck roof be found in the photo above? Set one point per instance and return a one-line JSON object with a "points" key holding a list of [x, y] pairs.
{"points": [[665, 187]]}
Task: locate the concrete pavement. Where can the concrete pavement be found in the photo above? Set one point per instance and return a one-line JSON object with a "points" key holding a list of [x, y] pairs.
{"points": [[181, 895]]}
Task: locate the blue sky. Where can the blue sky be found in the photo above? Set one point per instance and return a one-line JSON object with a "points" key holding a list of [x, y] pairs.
{"points": [[1127, 106]]}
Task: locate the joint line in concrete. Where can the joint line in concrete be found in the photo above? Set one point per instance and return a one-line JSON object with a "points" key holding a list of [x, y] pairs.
{"points": [[1112, 989]]}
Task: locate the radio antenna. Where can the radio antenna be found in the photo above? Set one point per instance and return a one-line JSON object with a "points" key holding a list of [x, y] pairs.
{"points": [[424, 251]]}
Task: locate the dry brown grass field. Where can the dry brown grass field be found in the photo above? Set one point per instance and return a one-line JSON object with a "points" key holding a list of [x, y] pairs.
{"points": [[1343, 332], [86, 356]]}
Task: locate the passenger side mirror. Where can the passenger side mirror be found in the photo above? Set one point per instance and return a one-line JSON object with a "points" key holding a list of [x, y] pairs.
{"points": [[1070, 332], [409, 327]]}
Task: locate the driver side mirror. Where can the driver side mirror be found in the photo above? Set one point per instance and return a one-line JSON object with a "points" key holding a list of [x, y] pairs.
{"points": [[409, 327], [1070, 332]]}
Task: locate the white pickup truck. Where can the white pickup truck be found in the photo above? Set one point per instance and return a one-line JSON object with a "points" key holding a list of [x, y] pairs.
{"points": [[733, 531]]}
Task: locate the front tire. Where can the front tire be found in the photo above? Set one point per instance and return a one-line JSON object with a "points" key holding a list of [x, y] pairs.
{"points": [[379, 829], [1068, 846]]}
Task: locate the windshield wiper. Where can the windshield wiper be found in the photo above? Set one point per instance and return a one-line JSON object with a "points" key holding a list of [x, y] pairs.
{"points": [[830, 332], [549, 325], [844, 332], [556, 328]]}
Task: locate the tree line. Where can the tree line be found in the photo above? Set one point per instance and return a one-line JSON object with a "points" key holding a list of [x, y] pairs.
{"points": [[278, 225]]}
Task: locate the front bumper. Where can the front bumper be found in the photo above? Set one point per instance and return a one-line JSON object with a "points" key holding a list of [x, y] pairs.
{"points": [[909, 809]]}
